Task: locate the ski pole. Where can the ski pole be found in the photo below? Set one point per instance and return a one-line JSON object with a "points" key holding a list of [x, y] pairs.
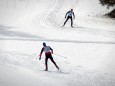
{"points": [[61, 21], [60, 55]]}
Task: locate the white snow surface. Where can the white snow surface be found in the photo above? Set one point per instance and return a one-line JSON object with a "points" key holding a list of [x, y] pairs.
{"points": [[85, 53]]}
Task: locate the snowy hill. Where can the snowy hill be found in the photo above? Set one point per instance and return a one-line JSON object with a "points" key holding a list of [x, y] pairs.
{"points": [[88, 48]]}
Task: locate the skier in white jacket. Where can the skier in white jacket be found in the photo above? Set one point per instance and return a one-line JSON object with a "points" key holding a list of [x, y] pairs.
{"points": [[48, 53], [70, 15]]}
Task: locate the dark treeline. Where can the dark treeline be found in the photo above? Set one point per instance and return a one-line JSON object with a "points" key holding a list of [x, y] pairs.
{"points": [[109, 3]]}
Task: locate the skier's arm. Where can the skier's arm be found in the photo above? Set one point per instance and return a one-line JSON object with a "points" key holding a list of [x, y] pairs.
{"points": [[41, 53], [66, 14], [73, 15], [51, 50]]}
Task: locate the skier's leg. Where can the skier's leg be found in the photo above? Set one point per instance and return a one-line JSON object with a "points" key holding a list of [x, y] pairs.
{"points": [[51, 58], [71, 21], [66, 21], [46, 61]]}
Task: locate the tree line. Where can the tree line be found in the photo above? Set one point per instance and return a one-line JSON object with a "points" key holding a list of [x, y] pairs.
{"points": [[109, 3]]}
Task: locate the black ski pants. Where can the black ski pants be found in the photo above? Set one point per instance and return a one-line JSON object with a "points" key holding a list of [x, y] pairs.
{"points": [[49, 56], [69, 17]]}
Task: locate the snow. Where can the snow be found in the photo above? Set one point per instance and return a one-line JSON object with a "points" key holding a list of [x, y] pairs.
{"points": [[85, 54]]}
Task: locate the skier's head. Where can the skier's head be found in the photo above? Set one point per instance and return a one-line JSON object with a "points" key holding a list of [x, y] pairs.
{"points": [[44, 44], [71, 9]]}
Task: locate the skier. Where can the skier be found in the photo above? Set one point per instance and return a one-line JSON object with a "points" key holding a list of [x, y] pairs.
{"points": [[69, 15], [48, 53]]}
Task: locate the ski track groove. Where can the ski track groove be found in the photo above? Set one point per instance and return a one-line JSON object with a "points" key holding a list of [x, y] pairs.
{"points": [[45, 13], [43, 17]]}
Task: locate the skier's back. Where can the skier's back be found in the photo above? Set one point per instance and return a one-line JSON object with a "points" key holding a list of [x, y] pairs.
{"points": [[69, 15], [48, 53]]}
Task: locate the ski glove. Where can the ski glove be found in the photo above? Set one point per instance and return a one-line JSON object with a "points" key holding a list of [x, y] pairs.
{"points": [[40, 58]]}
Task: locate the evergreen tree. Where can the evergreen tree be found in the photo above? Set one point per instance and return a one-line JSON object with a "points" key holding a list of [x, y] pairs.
{"points": [[109, 3]]}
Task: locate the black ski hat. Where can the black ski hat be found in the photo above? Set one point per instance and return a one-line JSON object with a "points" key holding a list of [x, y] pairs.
{"points": [[44, 44]]}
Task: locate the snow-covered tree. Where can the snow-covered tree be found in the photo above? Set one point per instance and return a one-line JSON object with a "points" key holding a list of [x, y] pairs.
{"points": [[109, 3]]}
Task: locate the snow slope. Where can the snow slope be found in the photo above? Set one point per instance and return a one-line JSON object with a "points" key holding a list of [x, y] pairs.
{"points": [[88, 48]]}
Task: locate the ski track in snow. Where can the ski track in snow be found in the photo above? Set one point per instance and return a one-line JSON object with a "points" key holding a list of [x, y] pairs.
{"points": [[45, 13]]}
